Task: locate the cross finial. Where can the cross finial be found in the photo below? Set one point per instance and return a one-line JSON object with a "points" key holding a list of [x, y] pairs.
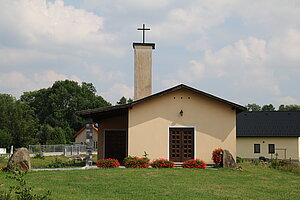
{"points": [[143, 29]]}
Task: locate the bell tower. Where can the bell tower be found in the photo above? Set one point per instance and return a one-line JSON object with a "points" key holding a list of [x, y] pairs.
{"points": [[143, 67]]}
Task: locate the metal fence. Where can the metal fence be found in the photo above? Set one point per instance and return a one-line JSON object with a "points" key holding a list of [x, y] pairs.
{"points": [[66, 150]]}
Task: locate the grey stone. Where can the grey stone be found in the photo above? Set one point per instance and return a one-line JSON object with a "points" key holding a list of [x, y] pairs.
{"points": [[21, 159], [228, 160]]}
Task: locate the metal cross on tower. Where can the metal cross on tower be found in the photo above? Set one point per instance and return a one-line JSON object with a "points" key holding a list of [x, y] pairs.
{"points": [[143, 29]]}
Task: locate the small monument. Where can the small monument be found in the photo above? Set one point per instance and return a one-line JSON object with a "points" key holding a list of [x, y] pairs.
{"points": [[228, 160], [21, 159], [89, 144]]}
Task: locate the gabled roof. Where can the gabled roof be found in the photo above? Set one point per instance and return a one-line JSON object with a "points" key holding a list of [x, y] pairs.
{"points": [[123, 109], [78, 132], [268, 124]]}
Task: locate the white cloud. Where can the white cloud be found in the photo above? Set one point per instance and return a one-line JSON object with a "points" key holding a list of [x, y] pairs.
{"points": [[48, 26], [288, 100], [191, 19], [103, 76], [118, 90], [128, 5], [286, 48], [16, 83], [244, 63], [50, 77], [192, 73]]}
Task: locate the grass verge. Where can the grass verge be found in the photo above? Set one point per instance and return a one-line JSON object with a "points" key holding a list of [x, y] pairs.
{"points": [[255, 182]]}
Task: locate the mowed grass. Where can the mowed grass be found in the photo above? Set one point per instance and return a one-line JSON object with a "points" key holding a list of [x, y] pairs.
{"points": [[253, 183], [38, 163]]}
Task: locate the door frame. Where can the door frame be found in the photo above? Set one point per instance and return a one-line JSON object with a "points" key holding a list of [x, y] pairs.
{"points": [[194, 127], [104, 133]]}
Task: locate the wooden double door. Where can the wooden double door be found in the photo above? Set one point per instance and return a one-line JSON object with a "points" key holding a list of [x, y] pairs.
{"points": [[181, 144], [116, 144]]}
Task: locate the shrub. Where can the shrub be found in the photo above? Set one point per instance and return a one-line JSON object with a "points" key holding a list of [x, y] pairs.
{"points": [[57, 163], [136, 162], [39, 156], [239, 159], [194, 163], [162, 163], [285, 165], [21, 190], [4, 169], [108, 163], [217, 157]]}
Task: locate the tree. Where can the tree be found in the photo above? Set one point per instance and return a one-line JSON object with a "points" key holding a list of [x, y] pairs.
{"points": [[253, 107], [6, 139], [56, 106], [124, 100], [18, 122], [289, 107], [269, 107], [50, 135]]}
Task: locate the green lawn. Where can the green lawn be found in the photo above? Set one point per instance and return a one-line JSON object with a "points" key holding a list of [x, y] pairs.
{"points": [[37, 163], [253, 183]]}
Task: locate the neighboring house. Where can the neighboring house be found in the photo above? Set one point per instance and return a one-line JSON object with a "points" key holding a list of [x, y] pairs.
{"points": [[179, 123], [267, 133], [80, 136]]}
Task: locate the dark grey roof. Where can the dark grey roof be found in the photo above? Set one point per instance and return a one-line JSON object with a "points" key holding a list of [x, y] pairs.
{"points": [[122, 109], [268, 124]]}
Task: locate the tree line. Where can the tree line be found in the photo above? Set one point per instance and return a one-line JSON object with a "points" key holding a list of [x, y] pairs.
{"points": [[46, 116], [270, 107]]}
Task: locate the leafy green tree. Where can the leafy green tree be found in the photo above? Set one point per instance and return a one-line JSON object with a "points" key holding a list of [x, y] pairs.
{"points": [[289, 107], [52, 135], [5, 139], [17, 121], [253, 107], [124, 100], [269, 107], [56, 105]]}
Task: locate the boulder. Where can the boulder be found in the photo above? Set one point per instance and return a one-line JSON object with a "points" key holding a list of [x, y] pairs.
{"points": [[21, 159], [228, 160]]}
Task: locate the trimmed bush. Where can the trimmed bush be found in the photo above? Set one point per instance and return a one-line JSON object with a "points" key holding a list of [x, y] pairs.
{"points": [[194, 163], [108, 163], [136, 162], [217, 157], [162, 163]]}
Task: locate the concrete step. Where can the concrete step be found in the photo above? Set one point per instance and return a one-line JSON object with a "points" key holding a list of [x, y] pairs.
{"points": [[177, 164]]}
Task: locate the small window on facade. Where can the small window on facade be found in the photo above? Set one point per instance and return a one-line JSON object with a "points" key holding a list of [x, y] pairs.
{"points": [[256, 148], [95, 144], [272, 148]]}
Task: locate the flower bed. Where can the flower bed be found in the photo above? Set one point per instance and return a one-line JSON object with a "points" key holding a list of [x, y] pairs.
{"points": [[162, 163], [194, 163], [108, 163], [217, 157], [136, 162]]}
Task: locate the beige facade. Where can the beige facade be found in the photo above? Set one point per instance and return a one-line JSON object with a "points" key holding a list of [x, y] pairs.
{"points": [[148, 125], [197, 122], [80, 137], [285, 147]]}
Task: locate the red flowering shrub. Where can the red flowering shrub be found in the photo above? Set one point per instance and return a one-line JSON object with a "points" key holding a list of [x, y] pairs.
{"points": [[162, 163], [194, 163], [3, 169], [217, 157], [136, 162], [108, 163]]}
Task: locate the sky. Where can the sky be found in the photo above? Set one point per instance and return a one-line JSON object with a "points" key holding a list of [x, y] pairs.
{"points": [[240, 50]]}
